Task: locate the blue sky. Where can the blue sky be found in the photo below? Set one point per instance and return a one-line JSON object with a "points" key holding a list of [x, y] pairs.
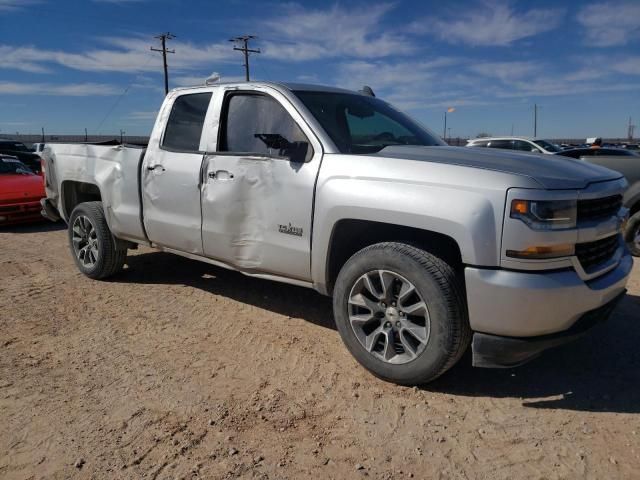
{"points": [[67, 64]]}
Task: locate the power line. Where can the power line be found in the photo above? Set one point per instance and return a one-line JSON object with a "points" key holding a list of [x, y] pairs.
{"points": [[163, 37], [244, 48]]}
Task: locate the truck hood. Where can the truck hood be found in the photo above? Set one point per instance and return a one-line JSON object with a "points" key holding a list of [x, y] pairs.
{"points": [[550, 171]]}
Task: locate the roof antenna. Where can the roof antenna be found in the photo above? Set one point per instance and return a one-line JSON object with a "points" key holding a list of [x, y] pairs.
{"points": [[366, 90]]}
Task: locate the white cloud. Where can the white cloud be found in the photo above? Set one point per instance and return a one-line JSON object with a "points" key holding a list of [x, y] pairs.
{"points": [[610, 23], [413, 85], [12, 5], [627, 66], [70, 90], [194, 80], [130, 55], [299, 34], [305, 35], [506, 71], [143, 115], [491, 23]]}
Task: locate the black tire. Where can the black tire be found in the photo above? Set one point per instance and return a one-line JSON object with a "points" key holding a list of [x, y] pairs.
{"points": [[110, 258], [632, 234], [438, 286]]}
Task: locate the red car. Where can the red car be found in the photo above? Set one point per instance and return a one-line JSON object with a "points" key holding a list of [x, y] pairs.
{"points": [[20, 192]]}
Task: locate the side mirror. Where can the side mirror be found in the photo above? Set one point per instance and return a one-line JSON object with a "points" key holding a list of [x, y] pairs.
{"points": [[296, 151]]}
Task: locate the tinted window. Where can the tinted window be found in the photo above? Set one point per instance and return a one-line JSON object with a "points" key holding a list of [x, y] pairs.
{"points": [[548, 146], [259, 124], [184, 127], [11, 165], [505, 144], [362, 124], [524, 146], [14, 146], [482, 143]]}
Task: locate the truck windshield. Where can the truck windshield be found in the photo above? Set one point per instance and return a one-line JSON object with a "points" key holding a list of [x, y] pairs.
{"points": [[361, 124]]}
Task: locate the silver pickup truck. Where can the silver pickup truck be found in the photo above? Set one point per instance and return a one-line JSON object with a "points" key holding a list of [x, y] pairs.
{"points": [[425, 248]]}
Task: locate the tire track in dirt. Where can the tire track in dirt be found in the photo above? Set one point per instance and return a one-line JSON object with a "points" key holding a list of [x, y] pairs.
{"points": [[179, 369]]}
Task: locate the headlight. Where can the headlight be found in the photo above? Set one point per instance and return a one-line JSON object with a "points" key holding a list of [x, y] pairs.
{"points": [[546, 215]]}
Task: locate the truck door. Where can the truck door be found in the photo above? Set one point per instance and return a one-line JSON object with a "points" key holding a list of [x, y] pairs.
{"points": [[171, 174], [257, 191]]}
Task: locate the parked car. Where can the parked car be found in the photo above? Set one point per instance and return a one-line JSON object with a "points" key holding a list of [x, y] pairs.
{"points": [[20, 150], [597, 152], [38, 148], [20, 192], [425, 248], [523, 144]]}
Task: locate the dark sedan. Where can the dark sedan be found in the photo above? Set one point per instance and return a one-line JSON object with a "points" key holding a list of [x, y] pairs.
{"points": [[596, 152], [22, 153]]}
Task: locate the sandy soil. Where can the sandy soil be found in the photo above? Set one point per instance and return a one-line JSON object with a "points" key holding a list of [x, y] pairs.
{"points": [[176, 369]]}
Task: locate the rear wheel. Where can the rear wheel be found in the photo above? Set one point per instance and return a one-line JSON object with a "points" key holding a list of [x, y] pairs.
{"points": [[401, 312], [93, 247], [632, 234]]}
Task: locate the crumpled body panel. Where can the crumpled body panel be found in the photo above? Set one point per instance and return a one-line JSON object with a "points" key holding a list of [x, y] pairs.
{"points": [[113, 169]]}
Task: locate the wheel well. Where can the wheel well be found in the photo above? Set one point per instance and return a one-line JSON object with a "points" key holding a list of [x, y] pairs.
{"points": [[351, 236], [75, 193], [635, 208]]}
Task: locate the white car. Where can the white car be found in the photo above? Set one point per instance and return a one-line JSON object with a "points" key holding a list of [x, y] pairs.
{"points": [[523, 144], [38, 148]]}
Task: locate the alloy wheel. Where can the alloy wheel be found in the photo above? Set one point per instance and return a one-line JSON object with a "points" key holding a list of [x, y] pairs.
{"points": [[389, 316], [85, 241]]}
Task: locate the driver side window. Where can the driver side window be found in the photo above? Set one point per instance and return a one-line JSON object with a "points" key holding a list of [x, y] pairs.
{"points": [[258, 124]]}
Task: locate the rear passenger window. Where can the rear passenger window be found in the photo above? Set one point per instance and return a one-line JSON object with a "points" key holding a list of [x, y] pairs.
{"points": [[506, 144], [184, 127], [259, 124]]}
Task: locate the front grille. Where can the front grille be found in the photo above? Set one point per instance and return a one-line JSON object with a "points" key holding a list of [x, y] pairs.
{"points": [[599, 208], [591, 254]]}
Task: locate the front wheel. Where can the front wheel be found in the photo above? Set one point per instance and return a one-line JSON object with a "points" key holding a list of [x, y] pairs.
{"points": [[632, 234], [93, 247], [401, 312]]}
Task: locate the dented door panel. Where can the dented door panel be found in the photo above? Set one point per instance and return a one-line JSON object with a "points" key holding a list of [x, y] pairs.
{"points": [[255, 213]]}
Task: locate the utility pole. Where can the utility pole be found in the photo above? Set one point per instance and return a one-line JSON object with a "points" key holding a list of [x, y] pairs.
{"points": [[535, 120], [42, 134], [163, 37], [85, 134], [630, 130], [244, 48], [122, 132]]}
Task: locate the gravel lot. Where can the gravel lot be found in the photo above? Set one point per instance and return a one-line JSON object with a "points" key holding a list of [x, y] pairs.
{"points": [[176, 369]]}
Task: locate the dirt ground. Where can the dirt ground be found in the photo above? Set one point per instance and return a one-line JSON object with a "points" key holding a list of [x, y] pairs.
{"points": [[176, 369]]}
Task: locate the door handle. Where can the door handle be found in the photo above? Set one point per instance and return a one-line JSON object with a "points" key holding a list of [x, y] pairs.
{"points": [[220, 175], [153, 167]]}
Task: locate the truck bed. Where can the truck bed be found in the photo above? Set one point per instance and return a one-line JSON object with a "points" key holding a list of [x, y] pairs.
{"points": [[114, 168]]}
